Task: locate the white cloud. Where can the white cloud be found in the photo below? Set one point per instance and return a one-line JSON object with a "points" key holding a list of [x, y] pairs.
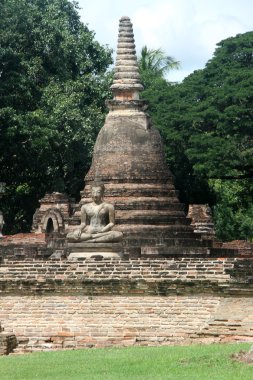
{"points": [[188, 30], [150, 22]]}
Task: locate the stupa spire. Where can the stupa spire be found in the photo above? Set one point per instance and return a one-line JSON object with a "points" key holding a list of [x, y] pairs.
{"points": [[126, 84]]}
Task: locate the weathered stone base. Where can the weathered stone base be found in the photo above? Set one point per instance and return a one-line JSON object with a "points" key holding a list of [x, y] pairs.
{"points": [[62, 304], [73, 322], [8, 342], [88, 250]]}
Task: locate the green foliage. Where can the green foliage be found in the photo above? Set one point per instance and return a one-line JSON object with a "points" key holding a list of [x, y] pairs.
{"points": [[134, 363], [168, 115], [221, 141], [155, 62], [206, 123], [233, 212], [53, 87]]}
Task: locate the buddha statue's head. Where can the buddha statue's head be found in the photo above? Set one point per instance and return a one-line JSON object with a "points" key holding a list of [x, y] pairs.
{"points": [[97, 192]]}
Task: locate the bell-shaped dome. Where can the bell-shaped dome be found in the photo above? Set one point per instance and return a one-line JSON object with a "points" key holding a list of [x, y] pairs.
{"points": [[128, 148]]}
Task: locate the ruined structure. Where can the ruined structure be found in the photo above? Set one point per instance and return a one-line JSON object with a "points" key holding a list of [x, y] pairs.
{"points": [[54, 214], [129, 158], [201, 220], [8, 342], [169, 286]]}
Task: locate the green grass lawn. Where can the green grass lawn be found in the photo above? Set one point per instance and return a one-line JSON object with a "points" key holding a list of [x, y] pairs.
{"points": [[207, 362]]}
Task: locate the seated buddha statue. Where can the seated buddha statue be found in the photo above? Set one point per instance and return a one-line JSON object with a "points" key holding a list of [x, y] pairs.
{"points": [[97, 220]]}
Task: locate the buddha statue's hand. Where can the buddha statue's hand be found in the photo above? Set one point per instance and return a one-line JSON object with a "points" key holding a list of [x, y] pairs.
{"points": [[77, 233], [107, 228]]}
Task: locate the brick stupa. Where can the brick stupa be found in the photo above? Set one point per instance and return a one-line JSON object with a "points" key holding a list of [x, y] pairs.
{"points": [[129, 159]]}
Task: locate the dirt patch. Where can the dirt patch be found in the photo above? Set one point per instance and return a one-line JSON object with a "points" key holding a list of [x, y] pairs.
{"points": [[243, 356]]}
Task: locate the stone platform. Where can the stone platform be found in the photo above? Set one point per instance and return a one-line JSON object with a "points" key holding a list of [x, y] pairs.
{"points": [[85, 250], [106, 303], [8, 342]]}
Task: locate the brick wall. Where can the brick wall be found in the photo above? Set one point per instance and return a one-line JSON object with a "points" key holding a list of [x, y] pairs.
{"points": [[55, 305], [24, 246]]}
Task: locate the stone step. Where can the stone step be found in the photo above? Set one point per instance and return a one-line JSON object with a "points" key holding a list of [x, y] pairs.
{"points": [[171, 231], [223, 252], [158, 234], [149, 218], [133, 190], [22, 349], [186, 251], [176, 223], [149, 213], [144, 203], [8, 342], [155, 228], [167, 242], [176, 251], [156, 204]]}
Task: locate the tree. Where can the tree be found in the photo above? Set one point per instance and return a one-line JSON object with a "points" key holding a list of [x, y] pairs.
{"points": [[233, 211], [156, 61], [154, 64], [53, 87], [206, 122], [221, 143], [167, 113]]}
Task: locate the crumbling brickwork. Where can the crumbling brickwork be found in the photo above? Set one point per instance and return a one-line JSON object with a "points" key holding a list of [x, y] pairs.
{"points": [[8, 342], [24, 246], [55, 305]]}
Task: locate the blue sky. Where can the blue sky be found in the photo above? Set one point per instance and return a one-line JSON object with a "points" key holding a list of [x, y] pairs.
{"points": [[187, 30]]}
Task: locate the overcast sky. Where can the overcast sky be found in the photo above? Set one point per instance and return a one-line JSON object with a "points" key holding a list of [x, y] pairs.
{"points": [[187, 30]]}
